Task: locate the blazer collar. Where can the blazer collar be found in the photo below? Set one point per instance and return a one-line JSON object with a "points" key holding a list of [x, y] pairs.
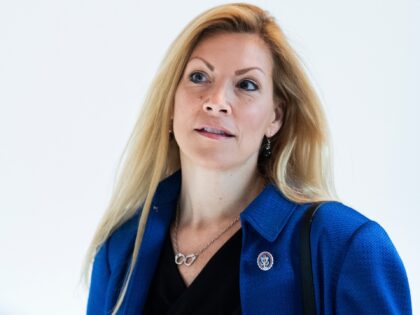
{"points": [[268, 213]]}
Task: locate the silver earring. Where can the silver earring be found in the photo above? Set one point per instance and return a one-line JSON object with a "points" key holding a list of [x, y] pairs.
{"points": [[267, 148]]}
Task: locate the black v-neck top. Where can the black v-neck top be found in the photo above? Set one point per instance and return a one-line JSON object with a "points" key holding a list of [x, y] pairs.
{"points": [[215, 290]]}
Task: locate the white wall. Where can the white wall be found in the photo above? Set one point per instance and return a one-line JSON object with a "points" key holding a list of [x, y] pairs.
{"points": [[72, 78]]}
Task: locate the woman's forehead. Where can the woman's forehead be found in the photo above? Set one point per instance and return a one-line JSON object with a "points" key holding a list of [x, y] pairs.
{"points": [[241, 50]]}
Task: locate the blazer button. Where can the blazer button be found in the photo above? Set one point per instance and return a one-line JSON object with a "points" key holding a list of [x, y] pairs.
{"points": [[265, 261]]}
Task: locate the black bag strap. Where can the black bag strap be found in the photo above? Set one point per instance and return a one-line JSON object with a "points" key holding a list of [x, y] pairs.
{"points": [[307, 281]]}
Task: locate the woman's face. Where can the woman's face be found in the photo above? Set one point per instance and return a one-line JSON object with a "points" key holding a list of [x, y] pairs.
{"points": [[226, 87]]}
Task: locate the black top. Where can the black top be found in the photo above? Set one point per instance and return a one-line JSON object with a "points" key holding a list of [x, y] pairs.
{"points": [[214, 291]]}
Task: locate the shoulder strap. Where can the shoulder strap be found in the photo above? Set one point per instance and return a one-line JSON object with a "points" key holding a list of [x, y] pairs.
{"points": [[307, 284]]}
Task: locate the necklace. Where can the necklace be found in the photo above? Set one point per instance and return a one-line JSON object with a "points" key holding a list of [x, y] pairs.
{"points": [[190, 258]]}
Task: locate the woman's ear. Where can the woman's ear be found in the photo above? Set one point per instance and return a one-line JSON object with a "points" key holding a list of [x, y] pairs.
{"points": [[276, 120]]}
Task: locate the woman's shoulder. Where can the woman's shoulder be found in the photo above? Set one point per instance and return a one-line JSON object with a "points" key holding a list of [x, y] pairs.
{"points": [[337, 218], [360, 258], [342, 233], [340, 224]]}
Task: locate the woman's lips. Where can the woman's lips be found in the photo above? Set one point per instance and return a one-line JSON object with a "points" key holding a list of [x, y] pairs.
{"points": [[213, 135]]}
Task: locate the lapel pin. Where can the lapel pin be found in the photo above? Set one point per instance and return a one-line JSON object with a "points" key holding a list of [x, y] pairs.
{"points": [[265, 261]]}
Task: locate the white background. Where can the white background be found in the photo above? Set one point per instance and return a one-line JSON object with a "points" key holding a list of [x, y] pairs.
{"points": [[72, 79]]}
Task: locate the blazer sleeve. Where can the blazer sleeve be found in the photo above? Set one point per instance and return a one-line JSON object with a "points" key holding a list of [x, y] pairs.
{"points": [[99, 282], [372, 279]]}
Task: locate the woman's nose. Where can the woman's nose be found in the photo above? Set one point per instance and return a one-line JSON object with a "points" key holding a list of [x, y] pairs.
{"points": [[217, 102]]}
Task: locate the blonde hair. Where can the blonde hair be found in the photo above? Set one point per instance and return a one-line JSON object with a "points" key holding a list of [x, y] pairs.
{"points": [[299, 164]]}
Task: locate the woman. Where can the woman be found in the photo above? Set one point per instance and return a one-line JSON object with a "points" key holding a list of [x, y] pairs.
{"points": [[229, 152]]}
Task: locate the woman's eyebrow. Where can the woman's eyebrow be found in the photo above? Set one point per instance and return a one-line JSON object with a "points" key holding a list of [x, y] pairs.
{"points": [[242, 71], [210, 66], [237, 72]]}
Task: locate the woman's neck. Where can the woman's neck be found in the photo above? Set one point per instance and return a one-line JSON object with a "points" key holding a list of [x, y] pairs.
{"points": [[212, 197]]}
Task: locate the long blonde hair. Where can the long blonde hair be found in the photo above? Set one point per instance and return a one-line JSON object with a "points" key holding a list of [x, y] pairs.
{"points": [[300, 162]]}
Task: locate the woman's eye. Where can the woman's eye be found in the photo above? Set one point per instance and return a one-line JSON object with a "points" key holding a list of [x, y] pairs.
{"points": [[248, 85], [197, 77]]}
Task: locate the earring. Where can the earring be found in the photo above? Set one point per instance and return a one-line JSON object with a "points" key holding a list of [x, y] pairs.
{"points": [[267, 148], [171, 132]]}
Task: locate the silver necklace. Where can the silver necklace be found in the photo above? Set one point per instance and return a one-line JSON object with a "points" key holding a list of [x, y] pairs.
{"points": [[190, 258]]}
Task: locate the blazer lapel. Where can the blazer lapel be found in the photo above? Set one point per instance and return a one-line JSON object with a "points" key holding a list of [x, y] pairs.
{"points": [[159, 219], [155, 231]]}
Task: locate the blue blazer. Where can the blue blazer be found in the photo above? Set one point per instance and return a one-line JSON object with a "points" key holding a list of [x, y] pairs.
{"points": [[356, 267]]}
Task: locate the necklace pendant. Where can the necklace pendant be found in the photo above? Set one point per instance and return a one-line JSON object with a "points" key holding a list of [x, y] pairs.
{"points": [[186, 260]]}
